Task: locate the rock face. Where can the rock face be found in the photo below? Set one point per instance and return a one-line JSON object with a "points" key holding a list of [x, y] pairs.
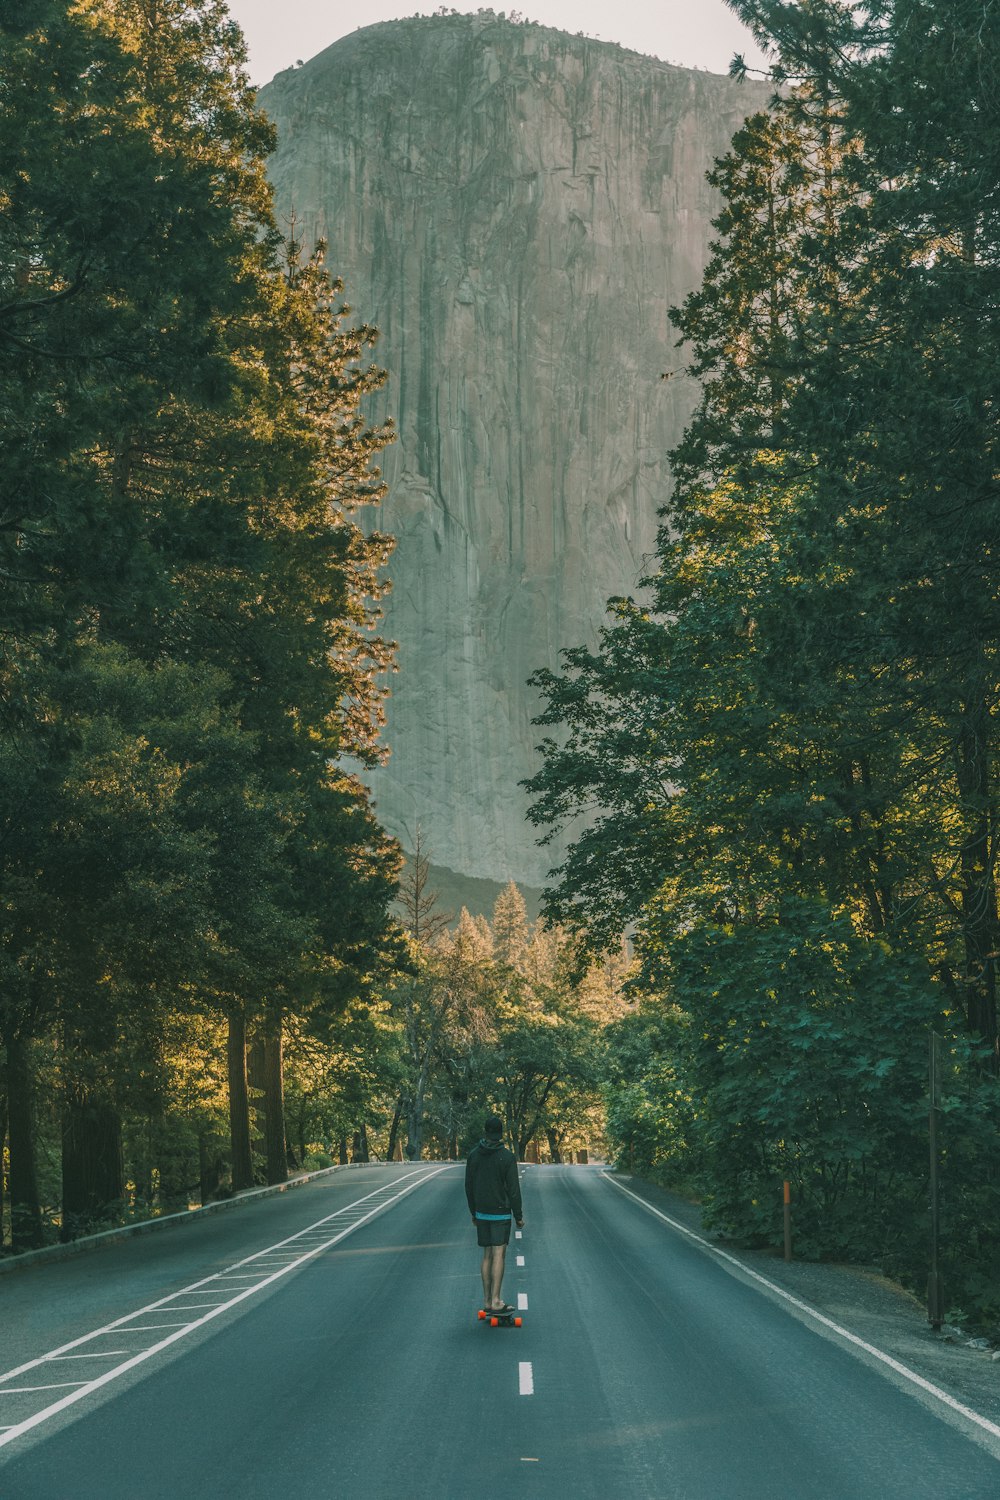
{"points": [[516, 209]]}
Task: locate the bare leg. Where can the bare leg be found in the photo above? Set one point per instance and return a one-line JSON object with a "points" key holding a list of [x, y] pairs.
{"points": [[487, 1273], [497, 1254]]}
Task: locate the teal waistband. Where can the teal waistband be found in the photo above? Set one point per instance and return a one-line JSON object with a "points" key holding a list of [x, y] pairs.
{"points": [[494, 1218]]}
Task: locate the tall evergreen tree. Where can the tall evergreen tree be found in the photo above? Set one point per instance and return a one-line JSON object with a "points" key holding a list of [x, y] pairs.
{"points": [[184, 451]]}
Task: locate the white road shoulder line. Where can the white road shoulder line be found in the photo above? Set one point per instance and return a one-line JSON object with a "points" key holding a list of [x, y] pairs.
{"points": [[183, 1329], [818, 1317]]}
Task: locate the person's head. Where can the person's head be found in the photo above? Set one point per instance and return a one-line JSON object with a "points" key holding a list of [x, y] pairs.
{"points": [[494, 1128]]}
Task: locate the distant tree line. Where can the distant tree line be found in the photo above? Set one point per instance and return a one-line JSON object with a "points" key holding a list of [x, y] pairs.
{"points": [[792, 740], [499, 1015]]}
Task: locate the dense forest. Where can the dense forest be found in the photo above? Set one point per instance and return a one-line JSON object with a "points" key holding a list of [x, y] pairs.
{"points": [[792, 736], [204, 980], [215, 966]]}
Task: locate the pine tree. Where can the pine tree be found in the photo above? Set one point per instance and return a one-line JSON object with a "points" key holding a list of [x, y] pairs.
{"points": [[184, 453], [908, 420]]}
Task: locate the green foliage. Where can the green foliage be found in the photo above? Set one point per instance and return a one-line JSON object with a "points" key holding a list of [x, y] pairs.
{"points": [[652, 1120], [497, 1016], [792, 739], [190, 606], [805, 1061]]}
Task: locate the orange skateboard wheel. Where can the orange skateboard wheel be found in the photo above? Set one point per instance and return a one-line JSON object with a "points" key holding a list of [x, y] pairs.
{"points": [[494, 1322], [517, 1322], [481, 1315]]}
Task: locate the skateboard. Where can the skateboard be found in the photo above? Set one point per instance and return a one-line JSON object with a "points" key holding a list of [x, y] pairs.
{"points": [[495, 1319]]}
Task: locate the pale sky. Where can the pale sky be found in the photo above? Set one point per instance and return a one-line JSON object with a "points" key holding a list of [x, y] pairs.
{"points": [[695, 33]]}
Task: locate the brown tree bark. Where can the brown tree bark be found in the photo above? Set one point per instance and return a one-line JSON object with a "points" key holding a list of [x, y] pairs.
{"points": [[980, 926], [93, 1173], [391, 1149], [275, 1145], [239, 1102], [209, 1167], [25, 1207]]}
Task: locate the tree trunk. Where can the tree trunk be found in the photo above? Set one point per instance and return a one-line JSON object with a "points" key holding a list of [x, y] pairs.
{"points": [[360, 1151], [414, 1129], [342, 1151], [276, 1147], [3, 1174], [979, 892], [93, 1175], [553, 1139], [25, 1208], [209, 1167], [390, 1153], [239, 1103]]}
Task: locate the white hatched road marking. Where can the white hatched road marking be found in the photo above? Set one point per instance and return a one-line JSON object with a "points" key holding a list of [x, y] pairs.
{"points": [[844, 1333], [182, 1329], [139, 1328], [525, 1379], [104, 1354], [59, 1385]]}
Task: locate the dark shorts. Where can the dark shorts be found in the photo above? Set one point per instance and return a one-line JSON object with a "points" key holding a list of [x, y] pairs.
{"points": [[493, 1231]]}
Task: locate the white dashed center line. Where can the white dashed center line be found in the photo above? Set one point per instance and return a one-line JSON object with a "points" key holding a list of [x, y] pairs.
{"points": [[522, 1302], [520, 1260], [525, 1379]]}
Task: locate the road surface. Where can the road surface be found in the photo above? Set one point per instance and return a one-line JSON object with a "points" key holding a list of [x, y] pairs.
{"points": [[325, 1344]]}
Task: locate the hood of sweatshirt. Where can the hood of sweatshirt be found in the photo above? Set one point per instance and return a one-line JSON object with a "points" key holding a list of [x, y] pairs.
{"points": [[490, 1144]]}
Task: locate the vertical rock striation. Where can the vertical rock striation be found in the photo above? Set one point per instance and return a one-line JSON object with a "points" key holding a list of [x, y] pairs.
{"points": [[516, 209]]}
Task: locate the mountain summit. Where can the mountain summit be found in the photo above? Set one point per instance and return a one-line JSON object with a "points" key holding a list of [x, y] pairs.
{"points": [[516, 209]]}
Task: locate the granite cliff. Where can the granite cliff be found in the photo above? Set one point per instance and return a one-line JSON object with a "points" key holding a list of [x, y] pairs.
{"points": [[516, 209]]}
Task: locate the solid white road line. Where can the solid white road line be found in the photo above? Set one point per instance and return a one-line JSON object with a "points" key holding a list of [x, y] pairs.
{"points": [[181, 1330], [525, 1379], [818, 1317]]}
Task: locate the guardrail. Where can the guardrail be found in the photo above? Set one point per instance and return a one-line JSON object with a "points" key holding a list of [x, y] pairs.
{"points": [[106, 1237]]}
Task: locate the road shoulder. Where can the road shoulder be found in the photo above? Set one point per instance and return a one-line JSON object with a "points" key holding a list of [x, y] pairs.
{"points": [[861, 1300]]}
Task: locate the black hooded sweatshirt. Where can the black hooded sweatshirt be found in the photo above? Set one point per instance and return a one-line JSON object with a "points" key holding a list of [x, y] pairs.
{"points": [[491, 1182]]}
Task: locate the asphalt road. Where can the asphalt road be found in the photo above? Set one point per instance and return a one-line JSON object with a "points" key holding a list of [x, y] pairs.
{"points": [[348, 1362]]}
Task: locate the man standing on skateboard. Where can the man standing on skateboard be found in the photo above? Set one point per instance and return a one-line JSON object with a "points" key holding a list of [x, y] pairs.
{"points": [[493, 1191]]}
